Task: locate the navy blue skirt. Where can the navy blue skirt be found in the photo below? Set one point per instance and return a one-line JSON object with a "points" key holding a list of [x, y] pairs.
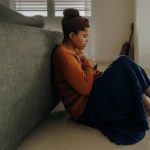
{"points": [[115, 104]]}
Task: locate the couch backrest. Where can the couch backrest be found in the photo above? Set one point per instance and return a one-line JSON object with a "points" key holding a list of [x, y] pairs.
{"points": [[26, 93]]}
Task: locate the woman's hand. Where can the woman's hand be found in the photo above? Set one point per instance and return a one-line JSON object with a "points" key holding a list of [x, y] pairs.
{"points": [[85, 60], [86, 64]]}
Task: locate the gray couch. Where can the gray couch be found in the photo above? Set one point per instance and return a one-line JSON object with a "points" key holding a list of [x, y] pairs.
{"points": [[26, 90]]}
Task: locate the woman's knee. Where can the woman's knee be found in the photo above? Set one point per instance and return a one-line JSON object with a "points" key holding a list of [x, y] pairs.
{"points": [[124, 58]]}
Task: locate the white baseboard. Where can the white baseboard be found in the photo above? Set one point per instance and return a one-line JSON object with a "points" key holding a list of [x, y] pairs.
{"points": [[103, 62]]}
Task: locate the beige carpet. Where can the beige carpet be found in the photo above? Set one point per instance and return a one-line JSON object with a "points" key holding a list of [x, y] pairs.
{"points": [[58, 132]]}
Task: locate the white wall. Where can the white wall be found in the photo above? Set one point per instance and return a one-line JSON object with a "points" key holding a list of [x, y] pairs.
{"points": [[142, 20], [5, 2], [112, 21]]}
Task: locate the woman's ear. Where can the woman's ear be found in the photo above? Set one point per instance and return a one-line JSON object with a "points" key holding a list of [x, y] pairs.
{"points": [[71, 35]]}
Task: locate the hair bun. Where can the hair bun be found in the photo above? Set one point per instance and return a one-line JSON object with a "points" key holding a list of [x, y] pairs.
{"points": [[70, 13]]}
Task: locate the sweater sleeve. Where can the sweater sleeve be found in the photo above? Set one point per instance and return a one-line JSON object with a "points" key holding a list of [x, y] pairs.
{"points": [[79, 79]]}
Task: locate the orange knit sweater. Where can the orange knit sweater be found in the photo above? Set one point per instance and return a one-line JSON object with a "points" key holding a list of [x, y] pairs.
{"points": [[73, 77]]}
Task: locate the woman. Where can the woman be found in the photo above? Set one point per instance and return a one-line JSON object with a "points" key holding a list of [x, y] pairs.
{"points": [[113, 101]]}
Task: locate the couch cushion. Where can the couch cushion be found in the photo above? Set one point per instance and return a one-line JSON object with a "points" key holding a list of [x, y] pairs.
{"points": [[11, 16]]}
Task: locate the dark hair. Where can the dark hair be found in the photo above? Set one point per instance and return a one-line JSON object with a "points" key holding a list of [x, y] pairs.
{"points": [[73, 22], [70, 13]]}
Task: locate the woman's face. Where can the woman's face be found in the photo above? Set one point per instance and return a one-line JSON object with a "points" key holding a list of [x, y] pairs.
{"points": [[80, 39]]}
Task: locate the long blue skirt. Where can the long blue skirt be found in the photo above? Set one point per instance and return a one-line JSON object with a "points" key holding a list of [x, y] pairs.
{"points": [[115, 105]]}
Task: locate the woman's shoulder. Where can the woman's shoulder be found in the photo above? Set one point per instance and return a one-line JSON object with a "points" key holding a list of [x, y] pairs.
{"points": [[62, 51], [64, 55]]}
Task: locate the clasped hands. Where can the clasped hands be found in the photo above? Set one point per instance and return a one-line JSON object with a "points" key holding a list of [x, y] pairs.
{"points": [[85, 61]]}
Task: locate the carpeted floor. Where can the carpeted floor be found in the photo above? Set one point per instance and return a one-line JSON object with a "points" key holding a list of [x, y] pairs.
{"points": [[58, 132]]}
